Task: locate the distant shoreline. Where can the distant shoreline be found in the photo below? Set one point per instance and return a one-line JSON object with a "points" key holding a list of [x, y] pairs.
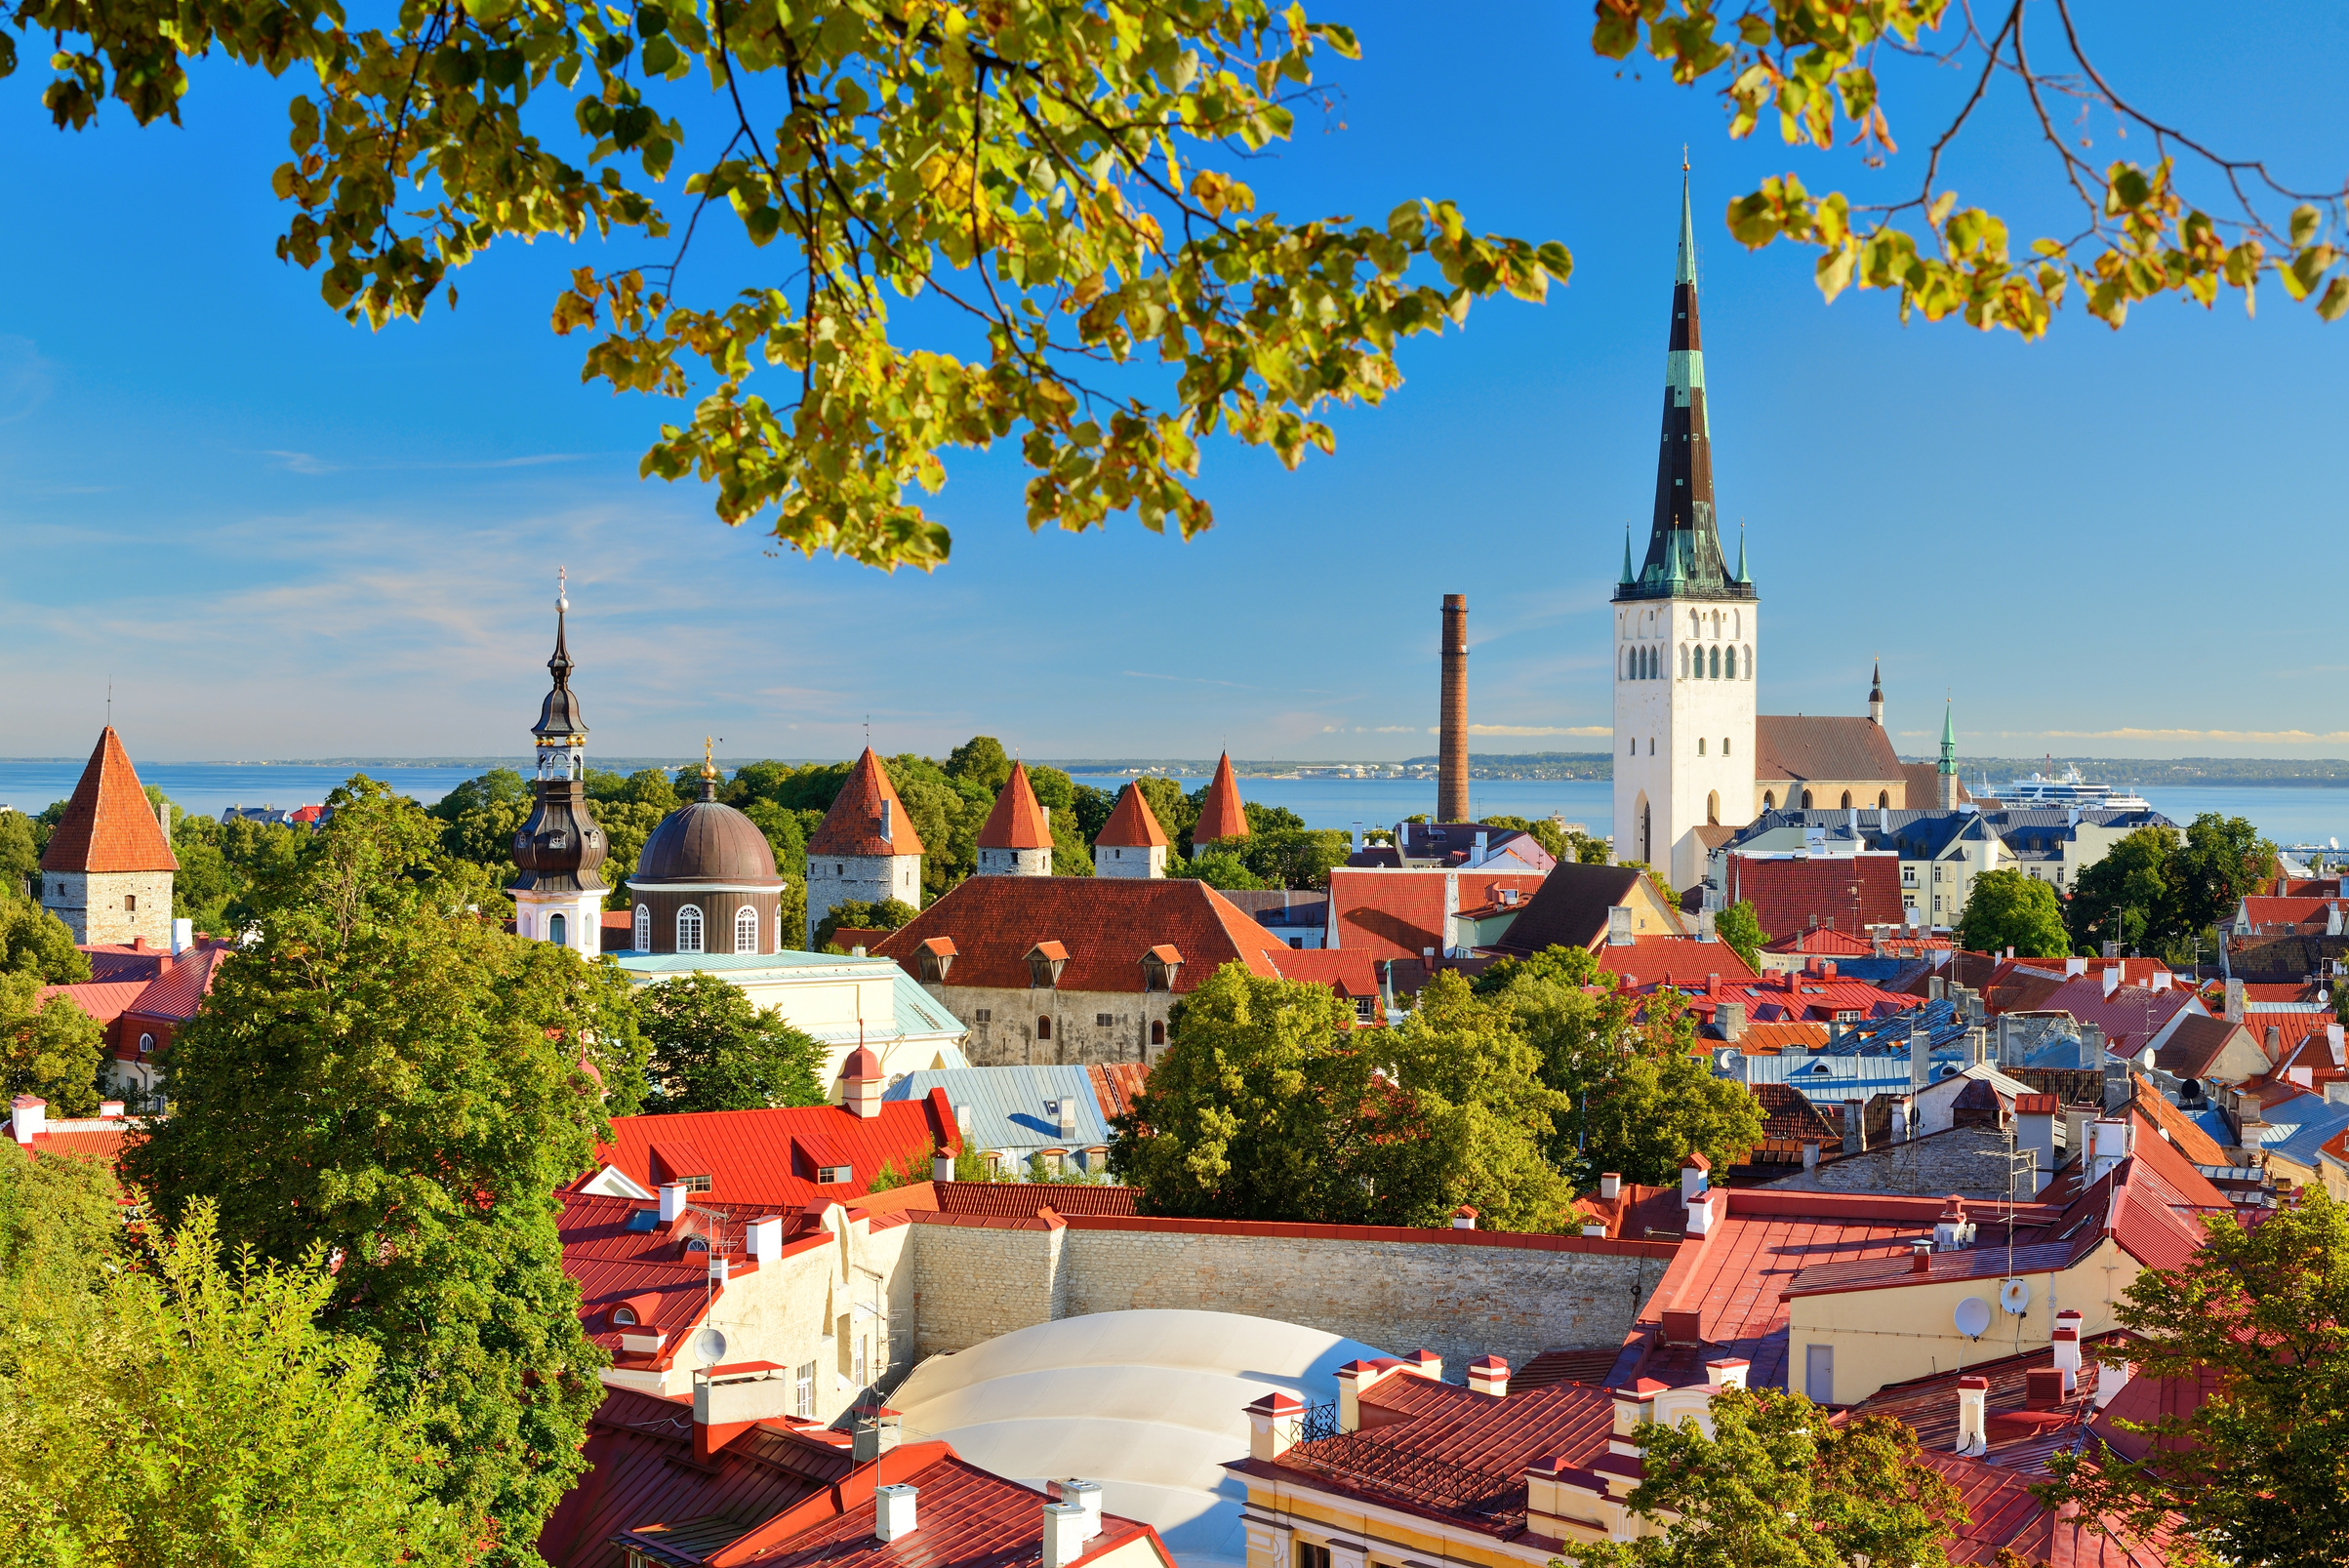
{"points": [[2141, 773]]}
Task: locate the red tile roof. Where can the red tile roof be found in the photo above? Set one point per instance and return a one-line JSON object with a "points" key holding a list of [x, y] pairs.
{"points": [[1116, 1084], [1787, 996], [2184, 1133], [853, 825], [1796, 894], [108, 826], [1345, 969], [2131, 1017], [748, 1153], [1397, 913], [1021, 1200], [1821, 939], [1823, 748], [1107, 924], [95, 1138], [1018, 818], [1682, 961], [1220, 813], [148, 987], [1783, 1035], [1132, 824], [2272, 916], [1928, 1405]]}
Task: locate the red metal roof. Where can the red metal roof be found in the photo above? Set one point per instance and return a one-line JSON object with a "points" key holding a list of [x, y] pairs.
{"points": [[100, 1000], [1796, 894], [2129, 1017], [1116, 1084], [108, 826], [1018, 818], [653, 1271], [1396, 915], [853, 825], [1220, 813], [748, 1154], [1106, 923], [1132, 824], [1821, 939], [1682, 961], [2279, 917]]}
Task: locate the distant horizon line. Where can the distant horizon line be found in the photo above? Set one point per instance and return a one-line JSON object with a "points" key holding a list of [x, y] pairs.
{"points": [[1202, 765]]}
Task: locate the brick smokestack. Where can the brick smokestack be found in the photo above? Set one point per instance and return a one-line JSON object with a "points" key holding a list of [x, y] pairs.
{"points": [[1451, 777]]}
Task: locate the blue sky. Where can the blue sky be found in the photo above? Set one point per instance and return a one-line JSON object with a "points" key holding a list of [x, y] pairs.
{"points": [[283, 536]]}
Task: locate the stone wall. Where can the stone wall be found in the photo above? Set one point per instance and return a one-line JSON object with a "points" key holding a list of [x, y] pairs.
{"points": [[1002, 1021], [93, 905], [837, 879], [975, 1281]]}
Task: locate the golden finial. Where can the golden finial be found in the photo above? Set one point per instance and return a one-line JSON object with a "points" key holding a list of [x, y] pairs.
{"points": [[1683, 158], [709, 768]]}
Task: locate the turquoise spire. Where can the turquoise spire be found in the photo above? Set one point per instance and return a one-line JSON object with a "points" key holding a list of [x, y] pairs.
{"points": [[1741, 554], [1949, 741], [1675, 569], [1627, 554], [1686, 270]]}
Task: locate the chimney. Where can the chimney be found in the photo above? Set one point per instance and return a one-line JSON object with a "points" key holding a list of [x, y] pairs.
{"points": [[2275, 1044], [2066, 1343], [1490, 1376], [893, 1506], [1900, 1121], [1728, 1373], [1611, 1185], [1619, 926], [1085, 1495], [1273, 1425], [1921, 1056], [184, 936], [1977, 1046], [1063, 1534], [2035, 1130], [1700, 1213], [890, 838], [1464, 1218], [110, 1110], [1921, 1258], [1065, 1115], [672, 1201], [1427, 1363], [1478, 857], [2042, 1387], [2110, 1147], [1731, 1018], [1451, 774], [1855, 1126], [762, 1237], [1810, 1155], [861, 1084], [2112, 979], [31, 1115], [729, 1400], [720, 1269], [2091, 1045], [1973, 1415], [1693, 1176], [941, 1166]]}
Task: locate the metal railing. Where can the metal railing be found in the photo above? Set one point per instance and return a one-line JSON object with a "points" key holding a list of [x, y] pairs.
{"points": [[1360, 1458], [1320, 1422]]}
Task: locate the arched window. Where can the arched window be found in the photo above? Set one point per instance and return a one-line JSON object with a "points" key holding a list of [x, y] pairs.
{"points": [[1714, 660], [1730, 671], [1157, 1032], [1883, 800], [745, 929], [1653, 654], [1724, 745], [1713, 809], [689, 928], [1634, 750], [1749, 660], [1683, 660], [623, 1317], [1806, 801], [779, 931], [557, 928], [1651, 745], [642, 936], [1769, 800], [1696, 624], [146, 1043], [1846, 800], [1044, 1027], [1700, 745]]}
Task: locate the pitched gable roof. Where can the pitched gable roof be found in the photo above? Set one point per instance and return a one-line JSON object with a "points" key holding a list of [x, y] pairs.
{"points": [[748, 1154], [1106, 925], [107, 825], [1850, 894], [1399, 915], [1132, 824], [1018, 818], [1803, 747], [1220, 813], [1569, 910], [853, 825]]}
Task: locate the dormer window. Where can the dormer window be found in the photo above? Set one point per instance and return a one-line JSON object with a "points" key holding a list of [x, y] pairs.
{"points": [[623, 1317], [933, 958], [1160, 967], [827, 1175], [1045, 961]]}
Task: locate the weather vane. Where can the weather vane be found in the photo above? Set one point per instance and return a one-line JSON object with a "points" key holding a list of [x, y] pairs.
{"points": [[562, 587]]}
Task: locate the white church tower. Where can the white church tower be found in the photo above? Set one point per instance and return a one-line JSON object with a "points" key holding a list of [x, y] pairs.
{"points": [[1686, 632]]}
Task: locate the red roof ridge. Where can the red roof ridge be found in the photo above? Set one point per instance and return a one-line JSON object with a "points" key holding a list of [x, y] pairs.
{"points": [[1132, 824], [1220, 813], [1018, 820], [853, 825], [108, 826]]}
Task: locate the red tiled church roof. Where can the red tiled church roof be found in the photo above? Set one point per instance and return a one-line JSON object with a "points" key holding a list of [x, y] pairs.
{"points": [[1788, 896], [107, 825], [1132, 825], [1107, 924], [1220, 814], [1017, 820], [853, 825]]}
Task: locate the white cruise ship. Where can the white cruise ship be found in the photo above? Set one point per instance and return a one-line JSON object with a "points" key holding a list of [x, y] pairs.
{"points": [[2069, 790]]}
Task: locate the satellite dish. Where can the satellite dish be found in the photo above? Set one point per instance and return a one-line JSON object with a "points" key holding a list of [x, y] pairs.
{"points": [[1974, 1317], [710, 1346], [2014, 1297]]}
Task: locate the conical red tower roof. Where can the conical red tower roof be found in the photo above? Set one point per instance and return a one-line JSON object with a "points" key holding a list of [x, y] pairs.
{"points": [[853, 825], [108, 826], [1220, 816], [1017, 820], [1133, 825]]}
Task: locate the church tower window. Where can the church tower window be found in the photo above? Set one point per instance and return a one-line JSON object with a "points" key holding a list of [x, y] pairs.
{"points": [[745, 929], [1730, 665], [689, 928], [1700, 745], [1713, 663], [558, 930], [643, 933]]}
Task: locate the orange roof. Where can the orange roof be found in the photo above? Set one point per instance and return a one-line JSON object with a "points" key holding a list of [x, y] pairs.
{"points": [[108, 826], [853, 825], [1220, 814], [1132, 825], [1398, 915], [1106, 925], [1017, 820], [1344, 970]]}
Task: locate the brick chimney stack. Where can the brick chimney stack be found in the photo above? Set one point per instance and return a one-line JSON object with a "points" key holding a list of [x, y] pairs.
{"points": [[1451, 778]]}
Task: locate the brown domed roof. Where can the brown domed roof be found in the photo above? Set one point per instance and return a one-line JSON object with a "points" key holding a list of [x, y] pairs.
{"points": [[708, 841]]}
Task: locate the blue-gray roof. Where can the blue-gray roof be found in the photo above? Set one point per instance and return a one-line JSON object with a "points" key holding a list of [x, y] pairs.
{"points": [[1868, 1057], [1013, 1108], [2030, 833], [2302, 1125]]}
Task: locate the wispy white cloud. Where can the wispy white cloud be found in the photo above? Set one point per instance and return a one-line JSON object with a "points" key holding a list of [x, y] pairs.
{"points": [[1187, 680], [2234, 737], [1536, 729]]}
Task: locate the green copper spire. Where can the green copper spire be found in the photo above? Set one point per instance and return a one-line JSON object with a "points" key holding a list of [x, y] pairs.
{"points": [[1627, 554], [1741, 554], [1949, 741], [1675, 569], [1686, 270]]}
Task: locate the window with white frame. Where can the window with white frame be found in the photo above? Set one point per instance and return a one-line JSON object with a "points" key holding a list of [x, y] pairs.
{"points": [[643, 933], [689, 928], [745, 929], [803, 1391]]}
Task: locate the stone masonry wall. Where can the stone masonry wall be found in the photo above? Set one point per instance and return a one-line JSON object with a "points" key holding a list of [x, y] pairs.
{"points": [[837, 879], [1005, 1036], [974, 1283], [90, 904]]}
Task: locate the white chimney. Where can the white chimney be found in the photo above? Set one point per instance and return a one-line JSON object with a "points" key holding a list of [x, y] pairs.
{"points": [[1489, 1375], [672, 1201], [1611, 1185], [1273, 1425], [1464, 1218], [2112, 979], [2066, 1346], [184, 936], [1729, 1373], [1900, 1121], [720, 1267], [1700, 1216], [1085, 1495], [1063, 1534], [1973, 1415], [941, 1166], [110, 1109], [2110, 1143], [31, 1115], [1064, 1111], [893, 1506], [762, 1237]]}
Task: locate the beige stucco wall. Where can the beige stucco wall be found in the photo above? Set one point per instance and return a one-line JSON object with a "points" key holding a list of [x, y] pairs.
{"points": [[90, 904], [1888, 1335], [1827, 794]]}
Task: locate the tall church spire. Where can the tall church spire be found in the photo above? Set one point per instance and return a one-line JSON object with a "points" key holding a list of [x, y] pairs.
{"points": [[1683, 529]]}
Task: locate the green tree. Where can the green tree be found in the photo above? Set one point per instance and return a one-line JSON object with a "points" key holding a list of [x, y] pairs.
{"points": [[712, 1050], [627, 824], [19, 857], [1739, 928], [2259, 1317], [1564, 846], [384, 1074], [2223, 860], [2010, 908], [1218, 869], [482, 815], [197, 1413], [857, 915], [2126, 893], [51, 1049], [786, 833], [983, 761], [1092, 808], [1776, 1485], [33, 942]]}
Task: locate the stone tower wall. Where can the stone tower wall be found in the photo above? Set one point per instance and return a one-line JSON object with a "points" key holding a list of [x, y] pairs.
{"points": [[837, 879], [110, 907]]}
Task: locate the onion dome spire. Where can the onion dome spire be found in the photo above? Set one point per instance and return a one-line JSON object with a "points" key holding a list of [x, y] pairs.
{"points": [[560, 727]]}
